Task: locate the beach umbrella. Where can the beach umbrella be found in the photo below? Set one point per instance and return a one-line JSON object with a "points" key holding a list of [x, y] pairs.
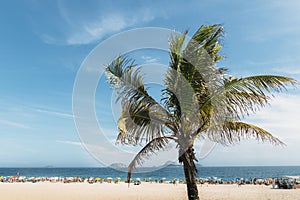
{"points": [[109, 179]]}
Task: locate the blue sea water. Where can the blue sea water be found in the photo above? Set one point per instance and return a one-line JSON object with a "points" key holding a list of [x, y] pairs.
{"points": [[169, 172]]}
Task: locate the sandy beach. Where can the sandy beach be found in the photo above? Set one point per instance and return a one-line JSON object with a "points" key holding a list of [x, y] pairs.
{"points": [[148, 191]]}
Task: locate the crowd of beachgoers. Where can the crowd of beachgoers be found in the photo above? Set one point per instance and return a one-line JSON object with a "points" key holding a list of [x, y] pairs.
{"points": [[287, 182]]}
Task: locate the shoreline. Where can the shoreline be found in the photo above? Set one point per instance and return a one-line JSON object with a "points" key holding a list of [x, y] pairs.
{"points": [[294, 180]]}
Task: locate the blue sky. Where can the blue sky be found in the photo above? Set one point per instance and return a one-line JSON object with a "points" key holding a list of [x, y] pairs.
{"points": [[43, 44]]}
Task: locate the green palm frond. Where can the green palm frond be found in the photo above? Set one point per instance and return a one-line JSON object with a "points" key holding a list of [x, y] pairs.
{"points": [[127, 80], [268, 83], [192, 69], [141, 123], [179, 95], [176, 48], [207, 38], [235, 131], [149, 149], [116, 70], [239, 97], [172, 82], [251, 93], [200, 56], [141, 114]]}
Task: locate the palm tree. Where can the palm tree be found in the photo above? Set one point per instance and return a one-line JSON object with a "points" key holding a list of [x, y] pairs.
{"points": [[199, 101]]}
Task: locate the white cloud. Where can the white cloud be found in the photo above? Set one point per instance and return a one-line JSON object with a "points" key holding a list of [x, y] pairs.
{"points": [[280, 65], [94, 31], [282, 117], [275, 27], [282, 120], [271, 33], [288, 70], [48, 39], [69, 142], [15, 124], [91, 31], [60, 114], [149, 59], [77, 25]]}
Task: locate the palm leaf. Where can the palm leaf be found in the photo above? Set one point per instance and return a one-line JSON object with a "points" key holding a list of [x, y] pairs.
{"points": [[239, 97], [235, 131], [208, 38], [142, 123], [191, 69], [176, 48], [141, 114], [145, 153]]}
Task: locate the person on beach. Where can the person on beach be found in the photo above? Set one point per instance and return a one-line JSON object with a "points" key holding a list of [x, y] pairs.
{"points": [[239, 183], [273, 183]]}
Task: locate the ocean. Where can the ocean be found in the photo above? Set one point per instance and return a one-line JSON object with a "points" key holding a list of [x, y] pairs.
{"points": [[168, 173]]}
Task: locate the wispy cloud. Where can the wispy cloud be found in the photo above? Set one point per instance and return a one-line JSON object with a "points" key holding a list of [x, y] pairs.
{"points": [[59, 114], [48, 39], [15, 124], [274, 27], [285, 65], [91, 31], [271, 33], [288, 70], [69, 142], [78, 25], [149, 59]]}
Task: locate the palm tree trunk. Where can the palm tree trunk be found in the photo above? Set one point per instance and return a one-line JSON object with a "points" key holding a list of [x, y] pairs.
{"points": [[190, 171]]}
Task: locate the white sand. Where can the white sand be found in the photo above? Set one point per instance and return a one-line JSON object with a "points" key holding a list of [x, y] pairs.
{"points": [[249, 192], [147, 191]]}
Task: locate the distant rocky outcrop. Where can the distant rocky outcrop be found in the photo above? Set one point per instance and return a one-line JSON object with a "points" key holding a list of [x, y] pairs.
{"points": [[118, 165], [171, 164], [49, 166], [176, 164]]}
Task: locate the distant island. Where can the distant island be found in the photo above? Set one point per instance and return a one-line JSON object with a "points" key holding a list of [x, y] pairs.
{"points": [[171, 164], [49, 166], [167, 164], [118, 165]]}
